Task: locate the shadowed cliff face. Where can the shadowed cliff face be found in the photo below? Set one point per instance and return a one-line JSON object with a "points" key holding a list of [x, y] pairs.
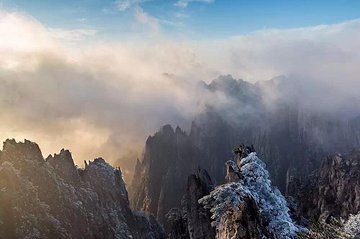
{"points": [[55, 199], [168, 155], [331, 191], [198, 218], [288, 133], [192, 220]]}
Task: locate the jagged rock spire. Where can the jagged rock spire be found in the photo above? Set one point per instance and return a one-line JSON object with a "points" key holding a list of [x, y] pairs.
{"points": [[250, 207]]}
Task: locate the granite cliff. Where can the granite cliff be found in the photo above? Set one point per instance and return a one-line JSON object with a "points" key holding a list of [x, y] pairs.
{"points": [[332, 191], [247, 206], [289, 136], [192, 220], [53, 198]]}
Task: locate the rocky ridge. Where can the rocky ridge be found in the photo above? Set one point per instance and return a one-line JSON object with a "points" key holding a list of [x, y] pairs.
{"points": [[247, 206], [53, 198], [192, 220], [331, 191], [288, 136]]}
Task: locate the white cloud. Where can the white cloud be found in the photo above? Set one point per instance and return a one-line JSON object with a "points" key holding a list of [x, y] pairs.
{"points": [[72, 35], [185, 3], [93, 100], [19, 35], [318, 52], [140, 15], [146, 19], [104, 99], [181, 15], [123, 5]]}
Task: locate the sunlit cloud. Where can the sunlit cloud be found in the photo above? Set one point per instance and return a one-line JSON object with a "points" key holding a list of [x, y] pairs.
{"points": [[19, 35], [104, 99]]}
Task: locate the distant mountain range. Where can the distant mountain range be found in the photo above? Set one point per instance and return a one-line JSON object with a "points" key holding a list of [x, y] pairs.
{"points": [[185, 187], [291, 137]]}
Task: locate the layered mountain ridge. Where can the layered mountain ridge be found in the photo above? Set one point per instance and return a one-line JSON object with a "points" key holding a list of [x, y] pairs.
{"points": [[247, 206], [291, 137], [53, 198], [181, 183]]}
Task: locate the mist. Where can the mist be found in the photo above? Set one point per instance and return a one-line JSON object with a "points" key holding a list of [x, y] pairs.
{"points": [[104, 98]]}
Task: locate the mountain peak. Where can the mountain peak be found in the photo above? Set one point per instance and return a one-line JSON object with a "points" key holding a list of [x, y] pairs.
{"points": [[52, 200], [167, 129], [26, 150], [249, 206]]}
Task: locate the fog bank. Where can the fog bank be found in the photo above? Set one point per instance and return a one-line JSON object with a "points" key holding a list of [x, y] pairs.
{"points": [[105, 98]]}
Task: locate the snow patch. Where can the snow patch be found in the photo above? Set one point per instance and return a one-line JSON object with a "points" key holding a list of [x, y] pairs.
{"points": [[352, 226]]}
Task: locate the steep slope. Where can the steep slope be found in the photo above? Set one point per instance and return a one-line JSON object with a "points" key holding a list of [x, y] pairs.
{"points": [[290, 136], [192, 220], [246, 207], [169, 155], [55, 199], [331, 191], [250, 207]]}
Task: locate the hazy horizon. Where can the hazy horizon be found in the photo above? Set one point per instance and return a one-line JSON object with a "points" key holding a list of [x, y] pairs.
{"points": [[98, 77]]}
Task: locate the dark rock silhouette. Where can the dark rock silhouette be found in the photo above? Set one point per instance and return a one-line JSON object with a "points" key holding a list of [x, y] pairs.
{"points": [[168, 155], [176, 224], [242, 151], [331, 191], [192, 220], [54, 199]]}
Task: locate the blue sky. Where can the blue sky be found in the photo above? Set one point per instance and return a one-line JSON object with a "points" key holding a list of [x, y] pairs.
{"points": [[196, 19]]}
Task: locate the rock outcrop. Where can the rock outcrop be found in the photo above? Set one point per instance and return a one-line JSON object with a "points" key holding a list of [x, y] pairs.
{"points": [[198, 218], [168, 159], [289, 136], [176, 224], [246, 208], [55, 199], [250, 208], [192, 220], [331, 191]]}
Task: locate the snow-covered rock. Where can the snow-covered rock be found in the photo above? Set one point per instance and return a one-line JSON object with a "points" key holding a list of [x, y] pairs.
{"points": [[352, 226], [251, 207]]}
